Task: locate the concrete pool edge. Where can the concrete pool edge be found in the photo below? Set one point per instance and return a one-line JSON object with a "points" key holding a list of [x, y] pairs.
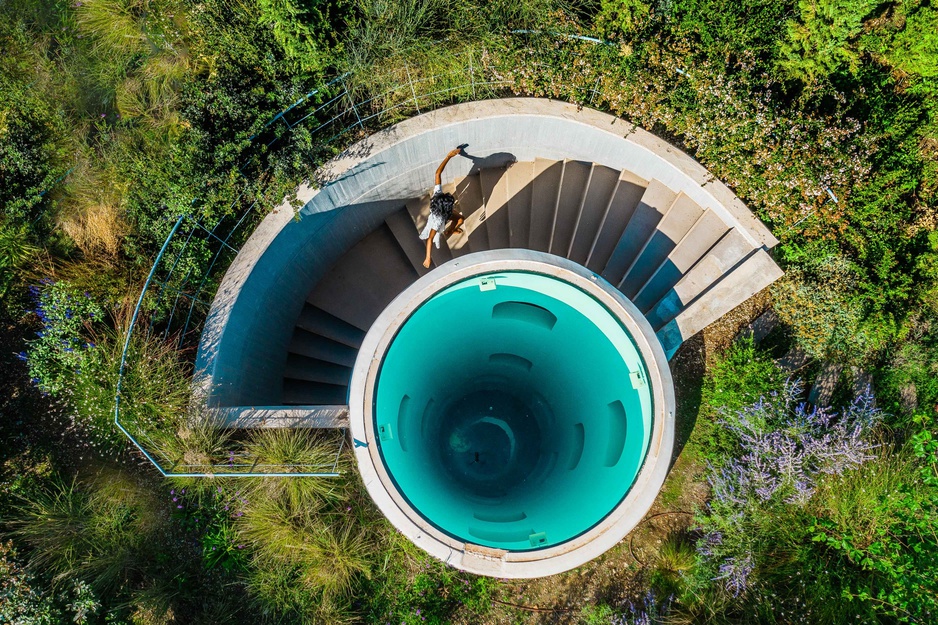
{"points": [[494, 562]]}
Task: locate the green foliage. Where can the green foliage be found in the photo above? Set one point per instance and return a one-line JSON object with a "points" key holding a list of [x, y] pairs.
{"points": [[16, 250], [209, 514], [304, 28], [24, 602], [909, 43], [95, 535], [418, 589], [884, 522], [739, 377], [818, 44], [622, 17], [63, 345], [820, 306], [600, 614]]}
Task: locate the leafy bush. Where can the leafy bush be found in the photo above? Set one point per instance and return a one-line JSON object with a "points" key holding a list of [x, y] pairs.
{"points": [[23, 602], [884, 520], [814, 519], [63, 344], [94, 534], [419, 589], [738, 378]]}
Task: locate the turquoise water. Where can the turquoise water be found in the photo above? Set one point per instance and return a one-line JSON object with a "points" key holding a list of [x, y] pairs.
{"points": [[513, 411]]}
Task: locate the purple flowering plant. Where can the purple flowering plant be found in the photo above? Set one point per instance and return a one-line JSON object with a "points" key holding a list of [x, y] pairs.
{"points": [[209, 516], [61, 347], [783, 448]]}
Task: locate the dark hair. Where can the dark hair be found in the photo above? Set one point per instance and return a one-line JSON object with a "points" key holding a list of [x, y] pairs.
{"points": [[442, 204]]}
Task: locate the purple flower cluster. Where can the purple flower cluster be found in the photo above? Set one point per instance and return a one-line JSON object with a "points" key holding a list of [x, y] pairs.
{"points": [[785, 447], [648, 611], [735, 573]]}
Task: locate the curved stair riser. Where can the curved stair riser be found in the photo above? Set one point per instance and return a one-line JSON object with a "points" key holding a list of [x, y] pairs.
{"points": [[681, 264]]}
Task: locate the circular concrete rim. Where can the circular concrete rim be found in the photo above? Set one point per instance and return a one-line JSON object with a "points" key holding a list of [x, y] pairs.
{"points": [[484, 560]]}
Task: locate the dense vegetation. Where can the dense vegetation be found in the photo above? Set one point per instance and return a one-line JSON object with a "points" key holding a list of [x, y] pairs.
{"points": [[118, 116]]}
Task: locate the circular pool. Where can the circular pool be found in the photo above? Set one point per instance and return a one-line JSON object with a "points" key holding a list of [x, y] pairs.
{"points": [[507, 410]]}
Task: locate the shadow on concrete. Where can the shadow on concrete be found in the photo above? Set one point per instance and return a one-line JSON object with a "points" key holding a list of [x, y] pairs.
{"points": [[687, 368], [498, 159]]}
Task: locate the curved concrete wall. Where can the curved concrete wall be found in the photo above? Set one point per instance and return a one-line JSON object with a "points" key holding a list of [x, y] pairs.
{"points": [[241, 356]]}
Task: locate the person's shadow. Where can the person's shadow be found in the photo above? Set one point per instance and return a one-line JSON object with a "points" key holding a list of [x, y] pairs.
{"points": [[497, 160]]}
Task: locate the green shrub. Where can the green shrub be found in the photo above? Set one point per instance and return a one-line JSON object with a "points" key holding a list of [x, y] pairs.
{"points": [[739, 377], [63, 345], [883, 520], [95, 533]]}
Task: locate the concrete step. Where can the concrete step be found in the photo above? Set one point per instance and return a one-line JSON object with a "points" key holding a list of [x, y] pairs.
{"points": [[795, 360], [318, 321], [304, 416], [755, 273], [544, 195], [602, 185], [365, 280], [468, 202], [520, 182], [760, 327], [677, 222], [321, 348], [822, 391], [626, 196], [697, 242], [404, 229], [730, 250], [569, 204], [304, 393], [301, 367], [655, 202], [495, 195]]}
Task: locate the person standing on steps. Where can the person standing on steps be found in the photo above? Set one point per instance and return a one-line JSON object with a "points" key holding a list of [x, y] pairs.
{"points": [[442, 210]]}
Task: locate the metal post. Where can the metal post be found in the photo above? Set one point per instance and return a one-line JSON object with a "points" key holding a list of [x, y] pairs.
{"points": [[472, 76], [412, 90], [352, 100]]}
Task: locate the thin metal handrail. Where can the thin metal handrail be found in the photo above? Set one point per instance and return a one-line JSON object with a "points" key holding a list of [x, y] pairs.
{"points": [[349, 117]]}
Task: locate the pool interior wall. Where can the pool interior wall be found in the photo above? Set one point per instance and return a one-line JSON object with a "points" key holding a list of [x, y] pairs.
{"points": [[513, 411]]}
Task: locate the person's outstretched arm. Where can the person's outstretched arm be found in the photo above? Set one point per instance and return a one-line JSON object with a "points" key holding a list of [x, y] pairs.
{"points": [[439, 170]]}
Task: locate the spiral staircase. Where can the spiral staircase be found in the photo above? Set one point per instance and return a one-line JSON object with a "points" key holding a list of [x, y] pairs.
{"points": [[682, 265]]}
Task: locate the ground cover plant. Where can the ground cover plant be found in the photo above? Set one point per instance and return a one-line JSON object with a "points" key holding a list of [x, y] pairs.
{"points": [[118, 116]]}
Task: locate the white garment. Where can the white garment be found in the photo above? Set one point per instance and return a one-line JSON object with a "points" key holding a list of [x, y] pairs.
{"points": [[435, 222]]}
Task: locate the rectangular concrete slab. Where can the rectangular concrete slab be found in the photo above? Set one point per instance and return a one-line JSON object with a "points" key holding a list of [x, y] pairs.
{"points": [[495, 195], [655, 202], [822, 391], [320, 322], [321, 348], [679, 219], [469, 203], [731, 249], [569, 203], [628, 193], [748, 278], [314, 370], [307, 416], [520, 182], [302, 392], [700, 238], [544, 195], [602, 184], [365, 279], [404, 229]]}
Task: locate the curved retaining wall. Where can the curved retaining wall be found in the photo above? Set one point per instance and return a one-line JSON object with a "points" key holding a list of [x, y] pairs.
{"points": [[241, 355]]}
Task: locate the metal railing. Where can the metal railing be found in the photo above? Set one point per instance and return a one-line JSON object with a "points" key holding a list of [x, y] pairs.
{"points": [[201, 244]]}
